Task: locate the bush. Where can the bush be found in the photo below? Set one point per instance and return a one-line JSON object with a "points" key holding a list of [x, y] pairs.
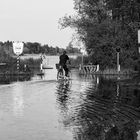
{"points": [[33, 64], [76, 62]]}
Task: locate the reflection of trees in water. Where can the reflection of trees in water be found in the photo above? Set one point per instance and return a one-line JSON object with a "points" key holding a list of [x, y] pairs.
{"points": [[105, 116], [131, 96]]}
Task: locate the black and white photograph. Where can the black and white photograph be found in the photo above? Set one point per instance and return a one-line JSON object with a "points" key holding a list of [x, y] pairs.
{"points": [[70, 70]]}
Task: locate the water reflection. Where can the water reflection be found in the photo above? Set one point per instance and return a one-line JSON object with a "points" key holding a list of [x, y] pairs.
{"points": [[108, 111], [18, 102]]}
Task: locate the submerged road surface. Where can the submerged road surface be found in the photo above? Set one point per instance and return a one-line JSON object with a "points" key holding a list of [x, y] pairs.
{"points": [[40, 109], [85, 108]]}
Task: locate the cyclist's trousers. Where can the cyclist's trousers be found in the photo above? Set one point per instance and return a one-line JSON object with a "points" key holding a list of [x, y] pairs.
{"points": [[65, 69]]}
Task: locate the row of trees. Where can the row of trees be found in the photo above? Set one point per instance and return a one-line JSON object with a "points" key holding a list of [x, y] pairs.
{"points": [[8, 62], [105, 25], [36, 48]]}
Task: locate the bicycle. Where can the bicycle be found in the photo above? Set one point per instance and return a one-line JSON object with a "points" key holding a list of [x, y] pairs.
{"points": [[61, 73]]}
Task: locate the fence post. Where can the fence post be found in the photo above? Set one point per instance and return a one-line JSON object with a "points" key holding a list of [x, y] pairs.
{"points": [[97, 68]]}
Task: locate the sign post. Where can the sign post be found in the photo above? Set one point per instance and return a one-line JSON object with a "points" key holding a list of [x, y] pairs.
{"points": [[118, 58], [139, 36], [139, 40], [18, 49]]}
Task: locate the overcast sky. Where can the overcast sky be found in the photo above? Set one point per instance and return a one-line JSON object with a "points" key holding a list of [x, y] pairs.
{"points": [[35, 21]]}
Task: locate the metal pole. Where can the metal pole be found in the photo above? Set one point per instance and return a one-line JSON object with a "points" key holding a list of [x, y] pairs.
{"points": [[139, 36], [18, 63], [138, 48], [18, 67], [82, 59], [139, 40], [118, 65]]}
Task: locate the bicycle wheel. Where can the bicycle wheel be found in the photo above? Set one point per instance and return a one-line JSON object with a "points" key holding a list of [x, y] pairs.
{"points": [[60, 75], [69, 75], [68, 78]]}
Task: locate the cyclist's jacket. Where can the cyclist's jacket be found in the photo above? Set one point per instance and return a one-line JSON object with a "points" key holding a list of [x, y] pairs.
{"points": [[63, 59]]}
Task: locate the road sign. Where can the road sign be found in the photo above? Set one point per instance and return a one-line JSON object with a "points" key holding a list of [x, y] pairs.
{"points": [[18, 47], [139, 36]]}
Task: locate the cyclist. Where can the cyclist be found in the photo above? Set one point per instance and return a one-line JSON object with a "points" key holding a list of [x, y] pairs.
{"points": [[63, 59]]}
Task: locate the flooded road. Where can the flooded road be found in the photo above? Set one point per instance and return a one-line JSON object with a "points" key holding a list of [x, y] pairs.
{"points": [[85, 108]]}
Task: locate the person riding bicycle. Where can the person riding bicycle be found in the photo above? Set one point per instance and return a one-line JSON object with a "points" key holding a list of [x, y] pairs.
{"points": [[63, 59]]}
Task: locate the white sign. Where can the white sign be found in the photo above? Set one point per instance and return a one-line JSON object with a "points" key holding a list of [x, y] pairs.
{"points": [[18, 47], [138, 36]]}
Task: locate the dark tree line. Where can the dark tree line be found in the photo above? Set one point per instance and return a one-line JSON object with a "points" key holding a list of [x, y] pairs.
{"points": [[36, 48], [8, 60], [105, 25]]}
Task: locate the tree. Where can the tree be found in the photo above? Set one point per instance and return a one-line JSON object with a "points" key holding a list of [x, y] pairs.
{"points": [[104, 25]]}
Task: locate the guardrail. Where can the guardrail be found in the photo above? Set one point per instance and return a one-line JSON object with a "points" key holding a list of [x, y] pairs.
{"points": [[88, 69]]}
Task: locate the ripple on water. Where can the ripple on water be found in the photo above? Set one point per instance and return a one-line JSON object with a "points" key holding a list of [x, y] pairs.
{"points": [[99, 110]]}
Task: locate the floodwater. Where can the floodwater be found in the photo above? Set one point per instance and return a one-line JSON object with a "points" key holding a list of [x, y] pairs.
{"points": [[85, 108]]}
